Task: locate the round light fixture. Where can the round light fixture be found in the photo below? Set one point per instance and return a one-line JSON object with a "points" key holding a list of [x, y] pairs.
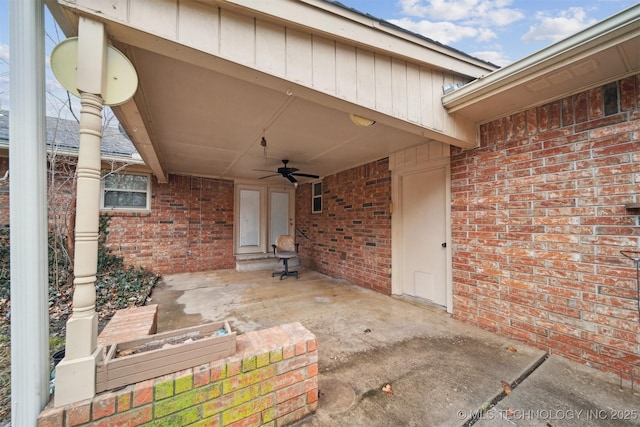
{"points": [[361, 121]]}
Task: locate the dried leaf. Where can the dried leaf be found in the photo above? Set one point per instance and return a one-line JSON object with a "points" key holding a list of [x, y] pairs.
{"points": [[387, 389], [506, 387], [512, 348]]}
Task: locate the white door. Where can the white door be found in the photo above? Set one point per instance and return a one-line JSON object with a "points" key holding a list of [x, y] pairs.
{"points": [[249, 220], [424, 254], [261, 214], [280, 218]]}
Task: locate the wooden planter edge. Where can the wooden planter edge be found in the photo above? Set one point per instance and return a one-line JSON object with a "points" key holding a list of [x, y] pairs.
{"points": [[114, 372]]}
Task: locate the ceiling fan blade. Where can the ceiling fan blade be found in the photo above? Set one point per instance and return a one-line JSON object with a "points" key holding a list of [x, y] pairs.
{"points": [[305, 175], [269, 176], [292, 179]]}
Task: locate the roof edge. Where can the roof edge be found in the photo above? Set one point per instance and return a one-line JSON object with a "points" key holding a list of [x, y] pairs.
{"points": [[353, 27], [626, 22]]}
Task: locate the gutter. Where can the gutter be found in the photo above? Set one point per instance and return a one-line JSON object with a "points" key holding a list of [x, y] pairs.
{"points": [[610, 32], [70, 152]]}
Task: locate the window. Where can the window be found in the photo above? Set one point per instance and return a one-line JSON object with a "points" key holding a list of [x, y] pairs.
{"points": [[125, 191], [316, 197]]}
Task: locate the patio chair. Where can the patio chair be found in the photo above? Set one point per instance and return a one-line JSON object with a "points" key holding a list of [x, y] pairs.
{"points": [[284, 249]]}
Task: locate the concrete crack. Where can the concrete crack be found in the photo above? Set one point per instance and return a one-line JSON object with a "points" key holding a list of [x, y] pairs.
{"points": [[493, 402]]}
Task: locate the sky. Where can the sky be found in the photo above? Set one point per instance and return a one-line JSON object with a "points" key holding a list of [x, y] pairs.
{"points": [[497, 31]]}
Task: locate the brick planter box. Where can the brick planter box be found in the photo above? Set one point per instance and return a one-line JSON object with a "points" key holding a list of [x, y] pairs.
{"points": [[271, 380], [141, 359]]}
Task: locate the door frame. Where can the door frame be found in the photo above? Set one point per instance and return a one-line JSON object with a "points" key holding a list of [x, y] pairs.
{"points": [[265, 212], [396, 224]]}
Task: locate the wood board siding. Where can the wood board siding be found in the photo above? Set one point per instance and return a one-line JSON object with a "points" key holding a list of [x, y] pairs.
{"points": [[394, 86]]}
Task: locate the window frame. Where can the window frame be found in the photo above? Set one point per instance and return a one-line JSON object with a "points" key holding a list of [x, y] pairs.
{"points": [[315, 197], [104, 189]]}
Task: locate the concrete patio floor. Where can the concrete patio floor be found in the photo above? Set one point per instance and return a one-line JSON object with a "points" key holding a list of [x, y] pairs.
{"points": [[441, 372]]}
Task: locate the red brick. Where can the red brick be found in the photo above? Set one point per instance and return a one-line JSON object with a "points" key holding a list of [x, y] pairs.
{"points": [[136, 417], [284, 380], [251, 421], [123, 400], [218, 370], [312, 396], [202, 225], [233, 368], [312, 370], [201, 375], [143, 393], [627, 94], [312, 344], [291, 405], [355, 205], [562, 284], [296, 390], [295, 363], [51, 417], [103, 405], [78, 413]]}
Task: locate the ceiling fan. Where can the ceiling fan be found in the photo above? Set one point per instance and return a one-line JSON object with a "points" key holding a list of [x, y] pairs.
{"points": [[289, 173]]}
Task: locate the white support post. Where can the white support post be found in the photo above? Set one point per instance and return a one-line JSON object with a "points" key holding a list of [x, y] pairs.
{"points": [[28, 214], [75, 374]]}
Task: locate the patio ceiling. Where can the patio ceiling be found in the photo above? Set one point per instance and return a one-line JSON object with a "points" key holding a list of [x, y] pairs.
{"points": [[215, 77], [209, 123]]}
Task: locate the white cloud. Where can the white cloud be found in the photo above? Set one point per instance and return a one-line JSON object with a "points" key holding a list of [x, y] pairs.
{"points": [[4, 53], [441, 9], [501, 17], [485, 34], [554, 28], [452, 21], [485, 13], [493, 56], [443, 32]]}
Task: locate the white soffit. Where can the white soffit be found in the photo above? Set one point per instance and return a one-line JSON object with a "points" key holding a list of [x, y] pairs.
{"points": [[605, 52]]}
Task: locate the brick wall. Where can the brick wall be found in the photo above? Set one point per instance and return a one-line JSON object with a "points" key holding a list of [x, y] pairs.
{"points": [[539, 221], [271, 380], [189, 227], [351, 238]]}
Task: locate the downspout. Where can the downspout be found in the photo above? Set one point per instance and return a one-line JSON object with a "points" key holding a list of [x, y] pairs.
{"points": [[28, 214]]}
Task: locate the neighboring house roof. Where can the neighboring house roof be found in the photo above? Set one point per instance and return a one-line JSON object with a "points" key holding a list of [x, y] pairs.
{"points": [[64, 136]]}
